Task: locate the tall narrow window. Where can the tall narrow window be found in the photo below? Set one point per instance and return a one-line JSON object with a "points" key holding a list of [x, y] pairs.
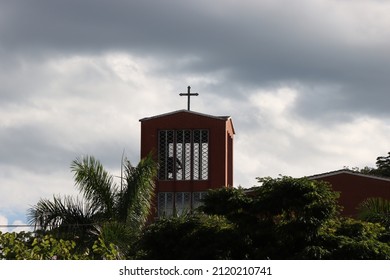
{"points": [[183, 154], [182, 202], [197, 199], [165, 204]]}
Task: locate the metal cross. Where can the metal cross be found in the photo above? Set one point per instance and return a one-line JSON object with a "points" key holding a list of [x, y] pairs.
{"points": [[188, 94]]}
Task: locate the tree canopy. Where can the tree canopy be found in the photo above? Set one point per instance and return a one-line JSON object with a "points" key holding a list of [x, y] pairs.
{"points": [[382, 167], [281, 218]]}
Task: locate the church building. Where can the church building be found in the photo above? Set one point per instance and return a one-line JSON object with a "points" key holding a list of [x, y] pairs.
{"points": [[194, 152], [354, 188]]}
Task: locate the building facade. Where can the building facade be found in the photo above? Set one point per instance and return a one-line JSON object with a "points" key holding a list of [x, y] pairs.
{"points": [[194, 152], [354, 188]]}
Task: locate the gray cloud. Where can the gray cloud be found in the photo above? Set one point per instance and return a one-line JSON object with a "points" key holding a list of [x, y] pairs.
{"points": [[257, 43]]}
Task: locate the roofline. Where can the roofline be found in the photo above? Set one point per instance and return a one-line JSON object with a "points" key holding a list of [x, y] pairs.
{"points": [[346, 171], [224, 118]]}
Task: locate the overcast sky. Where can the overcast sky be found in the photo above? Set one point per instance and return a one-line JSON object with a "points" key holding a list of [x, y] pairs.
{"points": [[306, 83]]}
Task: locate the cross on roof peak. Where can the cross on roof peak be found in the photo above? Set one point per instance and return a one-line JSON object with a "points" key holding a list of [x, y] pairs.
{"points": [[188, 94]]}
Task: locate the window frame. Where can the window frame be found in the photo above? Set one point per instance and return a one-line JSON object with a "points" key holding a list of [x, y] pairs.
{"points": [[183, 155]]}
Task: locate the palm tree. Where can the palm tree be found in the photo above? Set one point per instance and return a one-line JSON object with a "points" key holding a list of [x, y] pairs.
{"points": [[376, 210], [106, 210]]}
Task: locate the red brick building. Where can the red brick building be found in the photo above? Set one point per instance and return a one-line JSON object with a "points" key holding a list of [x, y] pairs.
{"points": [[355, 187], [194, 152]]}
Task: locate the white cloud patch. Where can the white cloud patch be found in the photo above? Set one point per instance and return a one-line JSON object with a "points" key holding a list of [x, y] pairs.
{"points": [[16, 226], [277, 141]]}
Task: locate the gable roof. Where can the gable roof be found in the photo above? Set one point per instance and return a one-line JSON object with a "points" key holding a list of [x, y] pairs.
{"points": [[349, 172], [225, 118], [222, 118]]}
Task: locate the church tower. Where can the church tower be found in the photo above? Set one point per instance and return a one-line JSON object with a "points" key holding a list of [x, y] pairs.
{"points": [[194, 152]]}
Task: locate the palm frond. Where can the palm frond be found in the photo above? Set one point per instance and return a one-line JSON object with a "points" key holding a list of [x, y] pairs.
{"points": [[117, 233], [375, 210], [104, 211], [95, 183], [66, 212], [135, 202]]}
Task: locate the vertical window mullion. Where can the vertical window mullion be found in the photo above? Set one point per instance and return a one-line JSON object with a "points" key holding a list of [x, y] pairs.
{"points": [[200, 155], [174, 148], [191, 155], [195, 153], [166, 155], [179, 160], [187, 155], [163, 158], [183, 157], [205, 154]]}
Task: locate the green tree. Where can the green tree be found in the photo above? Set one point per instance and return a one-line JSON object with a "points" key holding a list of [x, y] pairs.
{"points": [[282, 218], [189, 237], [383, 165], [233, 203], [238, 208], [294, 210], [279, 218], [35, 246], [349, 239], [375, 210], [27, 246], [290, 218], [115, 214]]}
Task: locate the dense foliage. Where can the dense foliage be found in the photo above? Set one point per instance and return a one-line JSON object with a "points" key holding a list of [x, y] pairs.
{"points": [[190, 237], [382, 166], [376, 210], [282, 218], [29, 246]]}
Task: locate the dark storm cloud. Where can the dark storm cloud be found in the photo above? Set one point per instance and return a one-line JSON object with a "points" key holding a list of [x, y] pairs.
{"points": [[334, 54], [97, 25], [229, 35], [257, 44]]}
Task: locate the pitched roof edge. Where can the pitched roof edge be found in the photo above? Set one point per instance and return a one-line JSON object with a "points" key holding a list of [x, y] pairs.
{"points": [[224, 118], [346, 171]]}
